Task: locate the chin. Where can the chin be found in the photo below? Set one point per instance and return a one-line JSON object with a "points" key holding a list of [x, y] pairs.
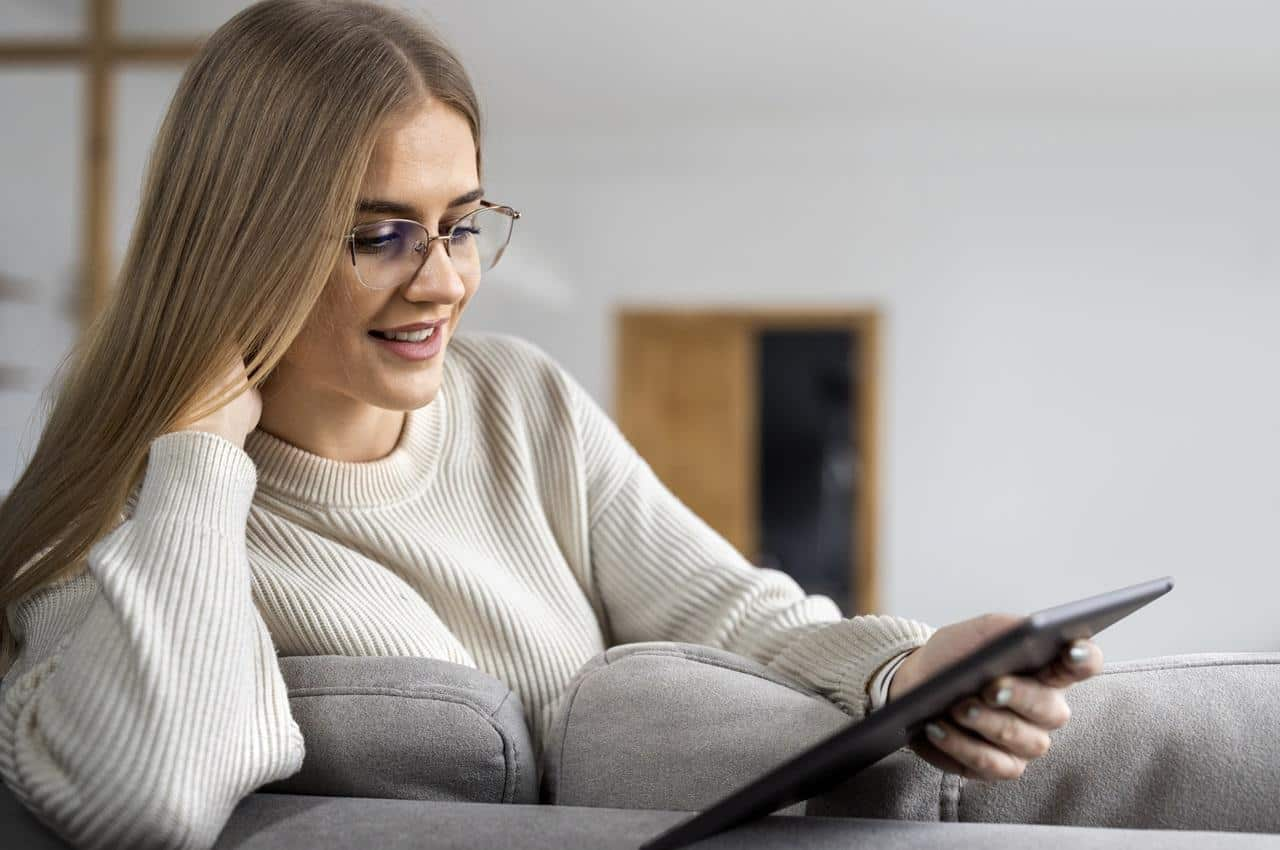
{"points": [[423, 395]]}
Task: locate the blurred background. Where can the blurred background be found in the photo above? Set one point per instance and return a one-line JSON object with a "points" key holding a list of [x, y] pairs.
{"points": [[944, 308]]}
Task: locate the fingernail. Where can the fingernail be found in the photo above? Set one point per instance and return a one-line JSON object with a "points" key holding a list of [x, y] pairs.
{"points": [[972, 712], [1004, 695], [1079, 652], [934, 731]]}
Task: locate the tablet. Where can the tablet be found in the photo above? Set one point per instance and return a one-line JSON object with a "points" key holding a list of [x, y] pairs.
{"points": [[1027, 647]]}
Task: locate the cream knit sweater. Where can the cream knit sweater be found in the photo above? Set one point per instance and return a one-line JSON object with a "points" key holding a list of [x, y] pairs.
{"points": [[512, 529]]}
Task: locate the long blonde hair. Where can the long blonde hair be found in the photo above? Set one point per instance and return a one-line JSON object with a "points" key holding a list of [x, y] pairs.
{"points": [[251, 182]]}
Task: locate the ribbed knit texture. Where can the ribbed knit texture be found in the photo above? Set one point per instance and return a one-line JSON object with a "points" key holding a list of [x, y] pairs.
{"points": [[512, 529]]}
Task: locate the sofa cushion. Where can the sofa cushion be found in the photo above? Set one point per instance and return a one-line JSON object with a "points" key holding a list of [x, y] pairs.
{"points": [[283, 822], [406, 728], [1175, 742], [675, 726]]}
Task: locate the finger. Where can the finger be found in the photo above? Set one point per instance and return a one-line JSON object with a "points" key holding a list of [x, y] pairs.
{"points": [[985, 761], [1002, 728], [939, 759], [1042, 705], [1065, 670]]}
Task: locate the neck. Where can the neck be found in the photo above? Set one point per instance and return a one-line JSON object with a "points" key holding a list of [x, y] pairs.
{"points": [[332, 426]]}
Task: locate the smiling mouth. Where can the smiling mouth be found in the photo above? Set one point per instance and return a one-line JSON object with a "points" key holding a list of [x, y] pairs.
{"points": [[411, 336]]}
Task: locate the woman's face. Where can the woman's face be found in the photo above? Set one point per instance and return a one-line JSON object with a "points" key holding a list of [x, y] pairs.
{"points": [[423, 164]]}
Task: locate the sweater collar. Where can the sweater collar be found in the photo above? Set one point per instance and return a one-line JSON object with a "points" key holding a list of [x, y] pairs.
{"points": [[298, 476]]}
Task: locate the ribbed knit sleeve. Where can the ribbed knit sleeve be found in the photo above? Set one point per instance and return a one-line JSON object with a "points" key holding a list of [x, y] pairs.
{"points": [[664, 574], [146, 701]]}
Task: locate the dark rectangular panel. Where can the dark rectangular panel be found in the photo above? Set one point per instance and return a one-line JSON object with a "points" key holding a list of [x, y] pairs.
{"points": [[807, 459]]}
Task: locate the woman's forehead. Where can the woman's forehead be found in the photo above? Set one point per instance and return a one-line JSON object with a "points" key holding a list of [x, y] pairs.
{"points": [[435, 136], [428, 159]]}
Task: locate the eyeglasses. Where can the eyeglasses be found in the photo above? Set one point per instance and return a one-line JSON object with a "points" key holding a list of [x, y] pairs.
{"points": [[391, 252]]}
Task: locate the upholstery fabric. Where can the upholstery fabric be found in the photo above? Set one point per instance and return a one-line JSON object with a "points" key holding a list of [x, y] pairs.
{"points": [[406, 728], [265, 821], [1174, 742], [1177, 742], [1182, 746], [273, 822], [675, 726]]}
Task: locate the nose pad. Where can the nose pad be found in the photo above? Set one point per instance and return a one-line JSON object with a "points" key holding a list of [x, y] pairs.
{"points": [[448, 269]]}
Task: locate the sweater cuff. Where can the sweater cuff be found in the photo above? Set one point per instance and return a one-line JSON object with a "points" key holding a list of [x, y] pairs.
{"points": [[839, 660], [879, 687], [199, 478]]}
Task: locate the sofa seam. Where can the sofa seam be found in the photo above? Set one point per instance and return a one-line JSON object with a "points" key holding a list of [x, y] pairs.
{"points": [[512, 783], [1190, 665], [568, 717], [800, 689]]}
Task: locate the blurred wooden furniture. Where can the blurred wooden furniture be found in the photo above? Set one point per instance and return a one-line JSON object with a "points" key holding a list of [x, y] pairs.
{"points": [[101, 51], [14, 377], [686, 395]]}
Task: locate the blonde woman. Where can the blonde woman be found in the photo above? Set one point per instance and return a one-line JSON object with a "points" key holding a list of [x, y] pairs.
{"points": [[240, 463]]}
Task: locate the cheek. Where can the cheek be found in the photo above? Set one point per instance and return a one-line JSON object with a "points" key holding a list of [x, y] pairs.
{"points": [[469, 291], [332, 331]]}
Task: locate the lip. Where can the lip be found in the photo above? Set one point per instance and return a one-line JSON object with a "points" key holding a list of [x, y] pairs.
{"points": [[416, 326], [424, 350]]}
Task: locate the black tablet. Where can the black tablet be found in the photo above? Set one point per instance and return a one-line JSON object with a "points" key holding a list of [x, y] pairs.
{"points": [[1031, 644]]}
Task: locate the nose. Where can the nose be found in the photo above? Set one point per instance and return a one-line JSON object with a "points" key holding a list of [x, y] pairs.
{"points": [[442, 281]]}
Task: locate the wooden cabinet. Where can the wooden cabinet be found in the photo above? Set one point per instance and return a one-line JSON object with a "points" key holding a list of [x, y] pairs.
{"points": [[734, 410]]}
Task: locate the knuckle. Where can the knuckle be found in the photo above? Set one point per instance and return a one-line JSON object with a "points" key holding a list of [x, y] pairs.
{"points": [[961, 712], [994, 688], [1008, 732], [982, 762]]}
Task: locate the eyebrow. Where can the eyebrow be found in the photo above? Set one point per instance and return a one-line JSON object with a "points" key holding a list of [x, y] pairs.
{"points": [[382, 206]]}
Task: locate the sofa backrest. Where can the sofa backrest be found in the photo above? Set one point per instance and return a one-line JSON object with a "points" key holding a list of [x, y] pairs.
{"points": [[1187, 741], [1173, 742], [664, 725]]}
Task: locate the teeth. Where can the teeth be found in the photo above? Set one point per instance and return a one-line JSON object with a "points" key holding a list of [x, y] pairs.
{"points": [[408, 336]]}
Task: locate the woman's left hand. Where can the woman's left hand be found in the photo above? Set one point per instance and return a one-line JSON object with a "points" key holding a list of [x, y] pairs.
{"points": [[992, 735]]}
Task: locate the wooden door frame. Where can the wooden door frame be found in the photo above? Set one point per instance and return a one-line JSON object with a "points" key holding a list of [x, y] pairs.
{"points": [[865, 323], [100, 52]]}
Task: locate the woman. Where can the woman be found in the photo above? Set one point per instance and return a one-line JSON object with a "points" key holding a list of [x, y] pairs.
{"points": [[240, 463]]}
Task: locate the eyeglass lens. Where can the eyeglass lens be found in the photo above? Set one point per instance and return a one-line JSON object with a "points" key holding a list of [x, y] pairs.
{"points": [[390, 253]]}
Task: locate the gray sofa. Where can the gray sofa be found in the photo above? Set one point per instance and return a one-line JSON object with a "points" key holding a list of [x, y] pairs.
{"points": [[1181, 751]]}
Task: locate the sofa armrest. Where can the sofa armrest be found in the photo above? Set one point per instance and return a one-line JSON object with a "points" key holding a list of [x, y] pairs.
{"points": [[406, 728], [379, 727]]}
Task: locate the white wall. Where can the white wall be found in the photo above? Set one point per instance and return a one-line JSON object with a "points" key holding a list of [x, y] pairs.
{"points": [[1081, 332], [1068, 221]]}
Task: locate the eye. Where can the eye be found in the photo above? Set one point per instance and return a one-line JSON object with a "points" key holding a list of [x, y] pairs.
{"points": [[384, 239], [374, 244], [462, 234]]}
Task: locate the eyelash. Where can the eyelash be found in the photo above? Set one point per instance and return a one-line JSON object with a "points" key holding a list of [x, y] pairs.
{"points": [[444, 225]]}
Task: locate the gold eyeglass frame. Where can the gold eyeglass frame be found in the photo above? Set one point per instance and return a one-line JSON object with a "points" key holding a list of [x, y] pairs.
{"points": [[424, 247]]}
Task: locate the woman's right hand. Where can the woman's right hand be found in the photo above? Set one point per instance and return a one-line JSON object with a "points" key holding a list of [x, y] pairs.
{"points": [[1012, 715], [237, 418]]}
